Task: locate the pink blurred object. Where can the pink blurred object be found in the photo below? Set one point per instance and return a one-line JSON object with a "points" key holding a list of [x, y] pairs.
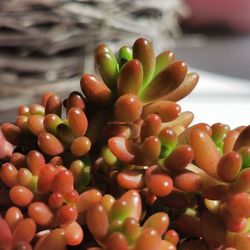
{"points": [[233, 13], [6, 148]]}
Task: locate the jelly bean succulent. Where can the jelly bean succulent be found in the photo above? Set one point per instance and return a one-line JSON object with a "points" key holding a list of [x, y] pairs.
{"points": [[121, 167]]}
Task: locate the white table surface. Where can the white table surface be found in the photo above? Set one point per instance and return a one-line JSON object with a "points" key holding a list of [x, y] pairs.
{"points": [[219, 98]]}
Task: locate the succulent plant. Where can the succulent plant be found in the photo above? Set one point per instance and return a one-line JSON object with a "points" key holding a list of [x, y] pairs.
{"points": [[123, 168]]}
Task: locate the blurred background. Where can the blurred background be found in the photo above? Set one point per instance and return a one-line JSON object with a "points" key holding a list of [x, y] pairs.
{"points": [[46, 45]]}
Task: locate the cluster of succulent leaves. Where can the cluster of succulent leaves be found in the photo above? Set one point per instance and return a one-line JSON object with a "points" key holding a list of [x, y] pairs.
{"points": [[122, 167]]}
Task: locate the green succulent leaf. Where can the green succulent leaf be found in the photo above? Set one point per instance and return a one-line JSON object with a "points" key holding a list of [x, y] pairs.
{"points": [[65, 134], [108, 68], [163, 60], [165, 82], [243, 139], [120, 210], [185, 88], [95, 90], [103, 48], [129, 205], [143, 51], [86, 176], [158, 221], [50, 123], [245, 155], [108, 156], [130, 77], [121, 148], [125, 55]]}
